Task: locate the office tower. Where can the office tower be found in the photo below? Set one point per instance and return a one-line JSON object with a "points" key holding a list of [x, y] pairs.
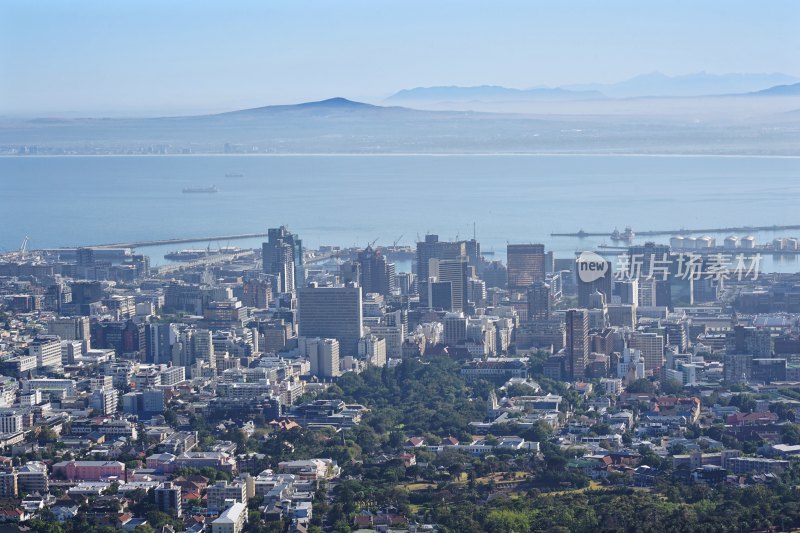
{"points": [[628, 291], [603, 285], [525, 265], [436, 294], [349, 272], [456, 273], [539, 301], [432, 248], [405, 282], [84, 257], [651, 259], [455, 328], [158, 342], [577, 344], [377, 275], [476, 290], [749, 340], [333, 313], [324, 357], [168, 499], [652, 347], [257, 293], [47, 351], [495, 274], [126, 337], [70, 329], [282, 256], [85, 293], [372, 349]]}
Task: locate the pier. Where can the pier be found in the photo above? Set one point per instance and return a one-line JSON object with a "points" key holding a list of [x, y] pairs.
{"points": [[683, 231], [138, 244]]}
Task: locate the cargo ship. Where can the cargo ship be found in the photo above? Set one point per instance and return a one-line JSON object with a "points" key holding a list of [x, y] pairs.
{"points": [[208, 190]]}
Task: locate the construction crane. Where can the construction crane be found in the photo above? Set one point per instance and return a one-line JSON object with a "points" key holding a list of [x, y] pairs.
{"points": [[372, 244], [394, 244]]}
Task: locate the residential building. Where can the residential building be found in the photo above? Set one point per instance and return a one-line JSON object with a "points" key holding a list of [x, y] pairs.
{"points": [[168, 499]]}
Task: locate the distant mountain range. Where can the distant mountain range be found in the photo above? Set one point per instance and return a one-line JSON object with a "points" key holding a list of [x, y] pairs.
{"points": [[339, 125], [654, 84], [491, 92], [780, 90]]}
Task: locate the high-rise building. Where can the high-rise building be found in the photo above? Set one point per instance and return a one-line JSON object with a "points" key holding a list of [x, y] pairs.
{"points": [[628, 291], [577, 343], [70, 328], [653, 261], [455, 329], [47, 351], [603, 285], [456, 273], [377, 275], [749, 340], [525, 265], [158, 339], [324, 357], [652, 347], [539, 301], [282, 256], [432, 248], [168, 499], [333, 313]]}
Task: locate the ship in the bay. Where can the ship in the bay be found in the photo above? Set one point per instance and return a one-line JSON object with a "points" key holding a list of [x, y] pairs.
{"points": [[207, 190]]}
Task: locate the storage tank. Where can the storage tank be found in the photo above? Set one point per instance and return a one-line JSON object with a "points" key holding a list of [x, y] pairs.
{"points": [[731, 242], [748, 243], [677, 243], [691, 243], [706, 242]]}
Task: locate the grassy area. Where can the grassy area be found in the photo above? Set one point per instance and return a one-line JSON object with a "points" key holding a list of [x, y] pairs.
{"points": [[419, 486], [593, 485]]}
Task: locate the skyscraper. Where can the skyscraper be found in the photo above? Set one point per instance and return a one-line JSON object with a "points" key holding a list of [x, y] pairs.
{"points": [[377, 275], [455, 272], [652, 347], [653, 260], [577, 347], [603, 285], [432, 248], [539, 301], [525, 265], [333, 313], [283, 257], [324, 357]]}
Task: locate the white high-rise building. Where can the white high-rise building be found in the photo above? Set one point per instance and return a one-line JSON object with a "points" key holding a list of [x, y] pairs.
{"points": [[47, 351], [324, 357]]}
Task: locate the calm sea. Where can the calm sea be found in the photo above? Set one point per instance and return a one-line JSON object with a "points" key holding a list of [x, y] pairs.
{"points": [[353, 200]]}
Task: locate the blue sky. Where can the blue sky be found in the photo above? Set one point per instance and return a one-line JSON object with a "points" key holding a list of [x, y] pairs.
{"points": [[170, 56]]}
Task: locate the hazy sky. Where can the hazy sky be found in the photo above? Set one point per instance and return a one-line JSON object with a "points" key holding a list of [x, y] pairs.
{"points": [[114, 57]]}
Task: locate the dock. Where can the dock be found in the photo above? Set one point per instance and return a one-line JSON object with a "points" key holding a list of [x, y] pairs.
{"points": [[184, 240], [683, 231]]}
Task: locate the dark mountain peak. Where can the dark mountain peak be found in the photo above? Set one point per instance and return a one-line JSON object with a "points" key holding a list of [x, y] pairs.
{"points": [[331, 104], [336, 103]]}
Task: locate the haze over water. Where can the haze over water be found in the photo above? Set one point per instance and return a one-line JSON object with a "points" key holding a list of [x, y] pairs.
{"points": [[352, 200]]}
